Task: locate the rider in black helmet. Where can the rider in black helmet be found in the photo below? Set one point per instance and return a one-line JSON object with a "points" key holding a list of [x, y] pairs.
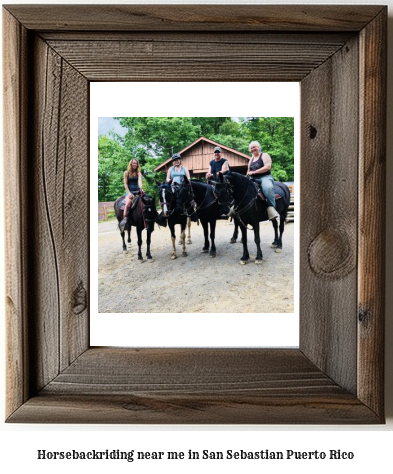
{"points": [[177, 171]]}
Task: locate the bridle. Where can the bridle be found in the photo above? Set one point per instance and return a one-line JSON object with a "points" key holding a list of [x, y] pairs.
{"points": [[213, 201], [183, 186], [163, 188], [143, 212], [236, 211]]}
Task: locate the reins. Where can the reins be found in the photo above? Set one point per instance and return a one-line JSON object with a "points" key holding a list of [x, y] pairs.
{"points": [[200, 208], [143, 216], [246, 207]]}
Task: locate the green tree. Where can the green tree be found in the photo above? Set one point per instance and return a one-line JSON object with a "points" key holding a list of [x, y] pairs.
{"points": [[152, 140], [113, 160]]}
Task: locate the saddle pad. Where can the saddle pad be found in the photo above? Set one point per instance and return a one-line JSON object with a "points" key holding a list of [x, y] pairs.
{"points": [[123, 203], [262, 196], [279, 193]]}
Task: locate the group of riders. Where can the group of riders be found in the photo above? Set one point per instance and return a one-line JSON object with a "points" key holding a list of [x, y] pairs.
{"points": [[259, 168]]}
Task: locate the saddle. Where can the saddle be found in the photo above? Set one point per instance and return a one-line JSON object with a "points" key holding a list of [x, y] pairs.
{"points": [[133, 204], [262, 197]]}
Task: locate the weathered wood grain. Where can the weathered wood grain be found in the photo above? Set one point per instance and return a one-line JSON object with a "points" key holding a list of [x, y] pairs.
{"points": [[15, 225], [329, 189], [193, 17], [336, 375], [193, 386], [183, 60], [371, 230], [59, 170]]}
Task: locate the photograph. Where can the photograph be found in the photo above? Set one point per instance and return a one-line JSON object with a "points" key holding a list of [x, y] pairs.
{"points": [[197, 198]]}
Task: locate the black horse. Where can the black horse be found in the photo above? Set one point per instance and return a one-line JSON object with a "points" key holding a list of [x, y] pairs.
{"points": [[141, 215], [174, 211], [249, 209], [205, 205]]}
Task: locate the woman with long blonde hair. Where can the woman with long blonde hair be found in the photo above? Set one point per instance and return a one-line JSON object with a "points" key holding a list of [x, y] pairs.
{"points": [[132, 184]]}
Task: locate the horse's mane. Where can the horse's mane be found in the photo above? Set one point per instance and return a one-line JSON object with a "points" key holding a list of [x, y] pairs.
{"points": [[236, 175], [199, 182]]}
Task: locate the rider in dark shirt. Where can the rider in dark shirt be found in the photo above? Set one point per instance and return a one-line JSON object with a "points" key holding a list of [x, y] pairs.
{"points": [[218, 164]]}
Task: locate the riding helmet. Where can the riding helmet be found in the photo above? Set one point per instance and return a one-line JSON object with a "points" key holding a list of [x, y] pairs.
{"points": [[176, 156]]}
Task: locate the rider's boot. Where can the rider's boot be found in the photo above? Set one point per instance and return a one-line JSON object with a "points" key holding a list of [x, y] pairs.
{"points": [[272, 213], [122, 224]]}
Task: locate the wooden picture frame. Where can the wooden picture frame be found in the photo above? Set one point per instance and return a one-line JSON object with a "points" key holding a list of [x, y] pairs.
{"points": [[338, 54]]}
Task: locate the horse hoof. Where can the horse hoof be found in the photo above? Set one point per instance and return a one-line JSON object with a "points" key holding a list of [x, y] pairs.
{"points": [[150, 260], [243, 262], [278, 250], [189, 242], [258, 262], [174, 257], [273, 246], [184, 254], [233, 241], [213, 254], [205, 250]]}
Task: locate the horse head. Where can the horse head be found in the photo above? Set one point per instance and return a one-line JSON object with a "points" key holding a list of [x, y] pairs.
{"points": [[149, 212], [222, 189], [167, 198], [183, 196]]}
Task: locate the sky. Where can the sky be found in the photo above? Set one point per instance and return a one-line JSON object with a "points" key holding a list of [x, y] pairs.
{"points": [[106, 124]]}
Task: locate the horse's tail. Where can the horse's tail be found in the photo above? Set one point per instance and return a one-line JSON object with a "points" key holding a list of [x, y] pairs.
{"points": [[286, 198], [117, 209]]}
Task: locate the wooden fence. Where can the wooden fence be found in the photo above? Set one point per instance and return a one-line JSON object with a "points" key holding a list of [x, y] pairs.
{"points": [[105, 210], [291, 210]]}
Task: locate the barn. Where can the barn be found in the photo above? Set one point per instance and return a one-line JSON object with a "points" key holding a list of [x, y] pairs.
{"points": [[197, 156]]}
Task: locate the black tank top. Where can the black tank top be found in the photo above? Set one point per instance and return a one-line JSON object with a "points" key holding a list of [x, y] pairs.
{"points": [[216, 166], [257, 165], [133, 185]]}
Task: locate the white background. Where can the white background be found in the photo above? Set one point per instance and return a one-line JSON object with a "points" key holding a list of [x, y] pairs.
{"points": [[182, 100], [371, 444]]}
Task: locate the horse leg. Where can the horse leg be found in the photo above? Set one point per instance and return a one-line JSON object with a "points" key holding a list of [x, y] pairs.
{"points": [[279, 242], [173, 237], [205, 226], [212, 237], [235, 232], [183, 238], [139, 232], [124, 244], [275, 227], [129, 237], [189, 230], [148, 241], [246, 255], [257, 241]]}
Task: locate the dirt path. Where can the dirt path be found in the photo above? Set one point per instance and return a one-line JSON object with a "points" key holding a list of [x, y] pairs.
{"points": [[208, 285]]}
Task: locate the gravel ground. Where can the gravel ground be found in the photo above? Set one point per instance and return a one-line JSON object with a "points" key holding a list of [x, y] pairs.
{"points": [[196, 283]]}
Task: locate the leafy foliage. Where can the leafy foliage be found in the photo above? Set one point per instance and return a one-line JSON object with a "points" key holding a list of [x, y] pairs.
{"points": [[153, 140]]}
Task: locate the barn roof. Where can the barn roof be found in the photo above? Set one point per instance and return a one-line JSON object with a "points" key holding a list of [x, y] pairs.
{"points": [[207, 140]]}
